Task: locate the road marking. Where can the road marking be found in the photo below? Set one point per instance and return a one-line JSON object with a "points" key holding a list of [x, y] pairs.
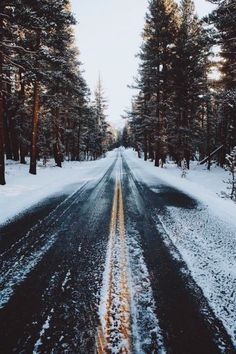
{"points": [[117, 295], [125, 323]]}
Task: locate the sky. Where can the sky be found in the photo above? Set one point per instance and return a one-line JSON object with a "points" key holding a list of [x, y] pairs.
{"points": [[108, 34]]}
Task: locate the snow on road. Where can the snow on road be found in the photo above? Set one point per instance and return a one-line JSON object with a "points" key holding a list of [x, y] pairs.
{"points": [[127, 307], [205, 236], [146, 329], [24, 190]]}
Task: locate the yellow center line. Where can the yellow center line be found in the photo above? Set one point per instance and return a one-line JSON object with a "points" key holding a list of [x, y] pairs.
{"points": [[112, 240], [125, 321], [104, 334]]}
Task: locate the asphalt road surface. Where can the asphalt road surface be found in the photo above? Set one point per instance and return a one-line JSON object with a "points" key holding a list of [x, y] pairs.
{"points": [[88, 271]]}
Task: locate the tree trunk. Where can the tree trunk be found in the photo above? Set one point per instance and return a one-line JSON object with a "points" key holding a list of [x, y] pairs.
{"points": [[22, 154], [57, 155], [7, 139], [56, 147], [233, 191], [2, 157], [34, 135], [208, 135], [157, 125], [145, 148], [187, 158], [67, 150], [73, 147], [7, 122], [78, 145], [35, 119], [157, 155], [15, 146], [150, 150], [22, 144]]}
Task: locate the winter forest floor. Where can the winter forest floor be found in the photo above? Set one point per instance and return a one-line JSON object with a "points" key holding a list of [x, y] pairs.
{"points": [[154, 252]]}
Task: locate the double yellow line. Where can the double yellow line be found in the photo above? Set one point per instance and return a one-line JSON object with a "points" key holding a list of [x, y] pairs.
{"points": [[117, 230]]}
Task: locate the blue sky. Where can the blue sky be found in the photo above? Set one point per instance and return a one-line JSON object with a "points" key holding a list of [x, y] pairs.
{"points": [[108, 35]]}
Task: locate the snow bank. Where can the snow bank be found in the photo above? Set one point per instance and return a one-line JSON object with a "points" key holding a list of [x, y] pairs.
{"points": [[24, 190], [207, 246]]}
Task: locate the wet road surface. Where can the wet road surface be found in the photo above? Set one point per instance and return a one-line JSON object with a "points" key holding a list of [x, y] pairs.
{"points": [[88, 271]]}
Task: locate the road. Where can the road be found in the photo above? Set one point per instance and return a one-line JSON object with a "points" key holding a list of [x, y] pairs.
{"points": [[89, 272]]}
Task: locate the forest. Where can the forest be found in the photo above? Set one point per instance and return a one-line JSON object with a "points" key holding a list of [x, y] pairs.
{"points": [[185, 107], [45, 104], [118, 241], [185, 100]]}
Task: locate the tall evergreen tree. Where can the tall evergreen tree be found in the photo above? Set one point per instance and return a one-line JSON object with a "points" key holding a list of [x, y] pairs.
{"points": [[100, 106], [50, 25], [6, 36], [2, 158], [174, 108], [190, 83], [45, 108], [224, 19], [155, 71]]}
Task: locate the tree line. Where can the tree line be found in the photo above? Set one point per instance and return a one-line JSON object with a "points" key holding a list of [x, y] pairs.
{"points": [[181, 110], [45, 104]]}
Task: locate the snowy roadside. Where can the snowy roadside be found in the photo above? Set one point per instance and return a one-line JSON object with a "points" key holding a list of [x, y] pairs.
{"points": [[205, 186], [205, 237], [24, 190]]}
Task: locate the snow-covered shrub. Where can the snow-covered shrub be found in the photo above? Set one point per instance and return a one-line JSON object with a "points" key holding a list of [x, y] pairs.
{"points": [[230, 166], [184, 168]]}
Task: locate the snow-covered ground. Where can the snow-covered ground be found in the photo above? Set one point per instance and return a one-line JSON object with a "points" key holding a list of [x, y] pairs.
{"points": [[206, 186], [24, 190], [205, 237]]}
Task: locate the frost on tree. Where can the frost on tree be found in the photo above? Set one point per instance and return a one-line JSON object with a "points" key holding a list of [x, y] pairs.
{"points": [[230, 166]]}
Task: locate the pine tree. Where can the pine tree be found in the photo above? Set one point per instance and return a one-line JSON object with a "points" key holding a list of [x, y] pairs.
{"points": [[8, 65], [224, 20], [100, 106], [126, 138], [140, 124], [190, 83], [51, 27], [62, 76], [155, 70], [209, 126], [6, 34], [2, 158], [230, 166], [44, 101]]}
